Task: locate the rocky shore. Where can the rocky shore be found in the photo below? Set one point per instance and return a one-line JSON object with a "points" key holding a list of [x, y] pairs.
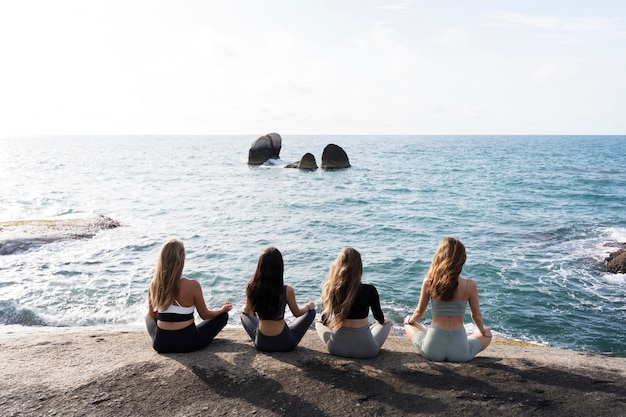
{"points": [[88, 372]]}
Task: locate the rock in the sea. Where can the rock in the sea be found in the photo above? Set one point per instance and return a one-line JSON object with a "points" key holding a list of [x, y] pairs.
{"points": [[264, 148], [334, 157], [307, 162], [616, 262], [23, 235]]}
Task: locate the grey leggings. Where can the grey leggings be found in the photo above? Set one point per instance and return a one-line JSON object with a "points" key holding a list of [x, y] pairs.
{"points": [[287, 340], [349, 342], [438, 344]]}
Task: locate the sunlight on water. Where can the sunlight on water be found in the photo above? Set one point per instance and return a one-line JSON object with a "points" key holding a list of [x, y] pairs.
{"points": [[535, 213]]}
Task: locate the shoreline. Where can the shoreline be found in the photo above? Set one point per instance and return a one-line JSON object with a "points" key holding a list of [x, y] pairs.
{"points": [[112, 372], [396, 332]]}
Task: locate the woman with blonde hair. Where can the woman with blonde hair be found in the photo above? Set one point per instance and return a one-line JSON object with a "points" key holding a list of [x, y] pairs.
{"points": [[346, 303], [263, 316], [172, 300], [446, 339]]}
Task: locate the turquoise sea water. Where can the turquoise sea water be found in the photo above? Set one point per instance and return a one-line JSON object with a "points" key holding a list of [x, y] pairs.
{"points": [[535, 214]]}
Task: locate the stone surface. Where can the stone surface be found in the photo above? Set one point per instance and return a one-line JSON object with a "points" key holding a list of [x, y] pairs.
{"points": [[111, 373], [23, 235], [616, 262], [264, 148], [307, 162], [334, 157]]}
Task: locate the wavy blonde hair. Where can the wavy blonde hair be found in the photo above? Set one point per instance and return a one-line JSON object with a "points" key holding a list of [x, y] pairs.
{"points": [[341, 287], [165, 283], [443, 276]]}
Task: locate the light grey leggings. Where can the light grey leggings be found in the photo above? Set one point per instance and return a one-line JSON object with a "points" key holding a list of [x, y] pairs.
{"points": [[439, 344], [349, 342]]}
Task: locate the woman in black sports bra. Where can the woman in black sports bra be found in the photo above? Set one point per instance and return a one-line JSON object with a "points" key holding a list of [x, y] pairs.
{"points": [[172, 300], [263, 316]]}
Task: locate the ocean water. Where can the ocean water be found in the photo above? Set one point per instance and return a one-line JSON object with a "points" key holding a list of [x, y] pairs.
{"points": [[535, 213]]}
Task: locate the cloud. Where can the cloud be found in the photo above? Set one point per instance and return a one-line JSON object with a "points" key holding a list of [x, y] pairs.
{"points": [[546, 72], [399, 6], [506, 19], [554, 23], [454, 36]]}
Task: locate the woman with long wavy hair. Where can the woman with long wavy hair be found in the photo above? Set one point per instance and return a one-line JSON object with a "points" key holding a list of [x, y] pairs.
{"points": [[267, 296], [449, 293], [346, 303], [172, 300]]}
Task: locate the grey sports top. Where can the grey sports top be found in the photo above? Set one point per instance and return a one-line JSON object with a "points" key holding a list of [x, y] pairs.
{"points": [[450, 308]]}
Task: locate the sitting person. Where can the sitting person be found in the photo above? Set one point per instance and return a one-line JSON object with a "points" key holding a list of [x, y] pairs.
{"points": [[346, 303], [263, 316], [446, 339], [172, 300]]}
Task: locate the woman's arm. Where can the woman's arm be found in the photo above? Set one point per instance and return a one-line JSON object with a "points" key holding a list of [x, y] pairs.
{"points": [[203, 310], [477, 317], [296, 310], [151, 313], [245, 310], [377, 312], [422, 305]]}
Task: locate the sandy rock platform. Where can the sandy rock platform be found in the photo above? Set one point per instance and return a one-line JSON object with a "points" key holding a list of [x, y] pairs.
{"points": [[70, 372]]}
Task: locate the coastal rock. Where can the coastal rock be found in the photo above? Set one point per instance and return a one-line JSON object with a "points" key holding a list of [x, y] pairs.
{"points": [[334, 157], [619, 245], [264, 148], [23, 235], [108, 373], [306, 162], [616, 262]]}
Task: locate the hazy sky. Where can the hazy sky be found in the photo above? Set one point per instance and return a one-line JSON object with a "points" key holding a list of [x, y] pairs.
{"points": [[312, 67]]}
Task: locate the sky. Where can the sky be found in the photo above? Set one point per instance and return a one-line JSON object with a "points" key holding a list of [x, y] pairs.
{"points": [[361, 67]]}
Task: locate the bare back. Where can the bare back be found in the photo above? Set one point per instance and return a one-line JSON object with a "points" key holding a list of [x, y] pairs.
{"points": [[463, 292], [186, 297]]}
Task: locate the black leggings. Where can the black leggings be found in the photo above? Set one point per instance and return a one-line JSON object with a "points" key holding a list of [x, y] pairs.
{"points": [[187, 339], [287, 340]]}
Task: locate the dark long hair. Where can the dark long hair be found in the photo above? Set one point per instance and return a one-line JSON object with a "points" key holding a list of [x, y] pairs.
{"points": [[264, 292]]}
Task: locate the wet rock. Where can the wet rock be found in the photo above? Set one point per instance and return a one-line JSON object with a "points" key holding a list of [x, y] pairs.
{"points": [[22, 235], [264, 148], [616, 262], [334, 157], [306, 162]]}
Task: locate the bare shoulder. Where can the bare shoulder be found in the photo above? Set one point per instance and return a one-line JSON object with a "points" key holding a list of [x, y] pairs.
{"points": [[471, 284], [189, 283]]}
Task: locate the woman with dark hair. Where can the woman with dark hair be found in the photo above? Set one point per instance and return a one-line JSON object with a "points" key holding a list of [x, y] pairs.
{"points": [[263, 316], [346, 303], [172, 300], [449, 293]]}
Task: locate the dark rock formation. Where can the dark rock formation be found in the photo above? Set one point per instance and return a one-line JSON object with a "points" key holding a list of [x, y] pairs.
{"points": [[306, 162], [264, 148], [334, 157], [616, 262]]}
